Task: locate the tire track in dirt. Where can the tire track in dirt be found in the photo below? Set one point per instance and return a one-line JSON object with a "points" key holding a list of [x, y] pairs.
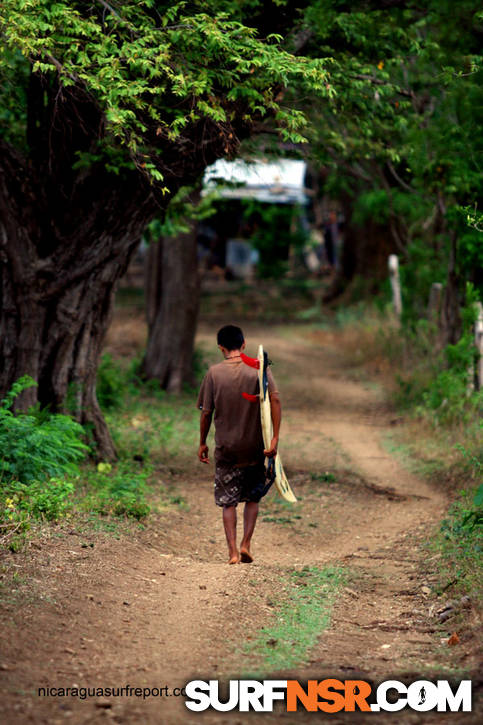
{"points": [[165, 608]]}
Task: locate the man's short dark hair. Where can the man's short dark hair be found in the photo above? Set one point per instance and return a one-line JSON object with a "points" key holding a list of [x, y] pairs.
{"points": [[230, 337]]}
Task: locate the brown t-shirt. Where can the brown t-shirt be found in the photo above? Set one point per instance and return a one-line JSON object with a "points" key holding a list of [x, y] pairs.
{"points": [[238, 431]]}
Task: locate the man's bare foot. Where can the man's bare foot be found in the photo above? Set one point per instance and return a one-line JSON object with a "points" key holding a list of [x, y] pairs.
{"points": [[234, 558], [245, 556]]}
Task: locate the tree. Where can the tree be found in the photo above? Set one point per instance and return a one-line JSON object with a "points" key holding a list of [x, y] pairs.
{"points": [[399, 144], [107, 109], [172, 290]]}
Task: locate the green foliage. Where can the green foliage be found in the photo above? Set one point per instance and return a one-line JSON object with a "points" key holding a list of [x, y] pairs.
{"points": [[36, 447], [277, 229], [475, 463], [447, 393], [474, 517], [326, 477], [119, 490], [473, 219], [23, 383], [37, 450], [13, 95], [40, 499], [117, 383], [157, 69], [110, 386], [441, 393], [154, 425], [150, 428], [461, 539], [424, 265], [302, 615], [14, 522], [373, 204], [183, 209], [435, 382], [432, 382], [401, 136]]}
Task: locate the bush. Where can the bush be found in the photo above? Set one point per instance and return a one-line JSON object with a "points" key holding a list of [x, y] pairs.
{"points": [[118, 490], [20, 503], [277, 228], [110, 384], [436, 381], [37, 446], [14, 523], [461, 539], [42, 500], [199, 366], [447, 394], [448, 401]]}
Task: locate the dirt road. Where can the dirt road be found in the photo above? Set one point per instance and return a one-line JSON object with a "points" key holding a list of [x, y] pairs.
{"points": [[164, 608]]}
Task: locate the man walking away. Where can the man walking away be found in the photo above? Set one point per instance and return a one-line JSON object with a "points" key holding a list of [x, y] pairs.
{"points": [[239, 449]]}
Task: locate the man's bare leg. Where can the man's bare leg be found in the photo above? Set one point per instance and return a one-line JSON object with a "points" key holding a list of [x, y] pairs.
{"points": [[249, 520], [229, 522]]}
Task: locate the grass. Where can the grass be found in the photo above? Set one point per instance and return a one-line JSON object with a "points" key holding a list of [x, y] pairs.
{"points": [[161, 428], [438, 436], [414, 460], [447, 455], [145, 422], [155, 435], [262, 300], [326, 477], [277, 510], [281, 519], [302, 615], [458, 546]]}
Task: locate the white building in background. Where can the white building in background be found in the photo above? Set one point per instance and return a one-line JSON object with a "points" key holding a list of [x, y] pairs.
{"points": [[269, 181], [273, 182]]}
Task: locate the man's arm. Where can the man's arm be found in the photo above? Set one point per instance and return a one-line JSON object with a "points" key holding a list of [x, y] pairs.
{"points": [[205, 424], [276, 413]]}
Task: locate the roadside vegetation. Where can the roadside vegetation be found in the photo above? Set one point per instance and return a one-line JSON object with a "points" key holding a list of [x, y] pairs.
{"points": [[438, 433], [48, 472], [304, 609], [48, 468], [388, 100], [66, 489]]}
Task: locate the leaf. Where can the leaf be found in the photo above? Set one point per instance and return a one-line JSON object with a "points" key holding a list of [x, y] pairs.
{"points": [[104, 467], [478, 497]]}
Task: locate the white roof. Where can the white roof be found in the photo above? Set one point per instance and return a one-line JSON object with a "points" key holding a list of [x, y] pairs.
{"points": [[280, 181]]}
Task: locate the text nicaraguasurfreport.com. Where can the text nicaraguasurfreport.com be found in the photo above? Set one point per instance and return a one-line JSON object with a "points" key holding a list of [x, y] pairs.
{"points": [[83, 693]]}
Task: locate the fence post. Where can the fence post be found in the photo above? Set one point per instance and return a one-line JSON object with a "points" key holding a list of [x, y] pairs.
{"points": [[393, 264], [479, 345]]}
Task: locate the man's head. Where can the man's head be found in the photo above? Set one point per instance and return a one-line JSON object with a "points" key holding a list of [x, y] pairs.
{"points": [[230, 337]]}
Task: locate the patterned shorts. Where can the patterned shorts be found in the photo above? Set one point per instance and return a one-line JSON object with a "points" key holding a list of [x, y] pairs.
{"points": [[233, 485]]}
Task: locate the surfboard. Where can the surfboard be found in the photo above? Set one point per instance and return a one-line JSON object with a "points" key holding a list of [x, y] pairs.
{"points": [[281, 482]]}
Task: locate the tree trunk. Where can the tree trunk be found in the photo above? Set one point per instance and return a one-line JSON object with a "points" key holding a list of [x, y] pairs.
{"points": [[451, 301], [68, 228], [363, 254], [153, 274], [172, 310], [56, 287], [57, 340]]}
